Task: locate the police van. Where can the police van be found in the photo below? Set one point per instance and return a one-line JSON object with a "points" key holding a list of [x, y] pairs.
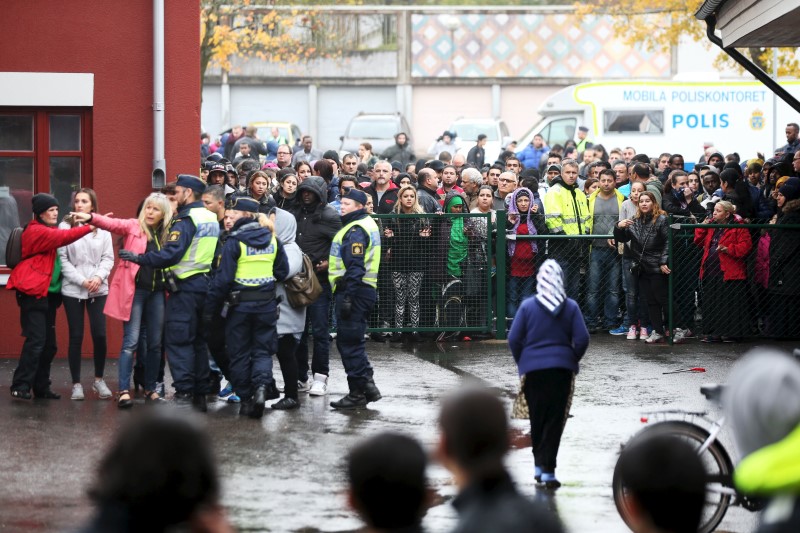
{"points": [[669, 116]]}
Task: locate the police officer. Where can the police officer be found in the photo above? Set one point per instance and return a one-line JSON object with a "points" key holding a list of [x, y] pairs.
{"points": [[353, 272], [186, 257], [252, 259]]}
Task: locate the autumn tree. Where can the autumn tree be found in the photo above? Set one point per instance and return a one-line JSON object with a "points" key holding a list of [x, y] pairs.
{"points": [[658, 26], [256, 29]]}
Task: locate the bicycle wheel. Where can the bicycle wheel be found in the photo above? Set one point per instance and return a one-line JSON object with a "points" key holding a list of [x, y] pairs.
{"points": [[715, 459]]}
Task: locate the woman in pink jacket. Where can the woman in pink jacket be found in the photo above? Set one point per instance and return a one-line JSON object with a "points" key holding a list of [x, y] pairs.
{"points": [[137, 291]]}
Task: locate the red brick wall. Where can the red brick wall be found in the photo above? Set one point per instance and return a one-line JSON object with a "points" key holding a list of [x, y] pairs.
{"points": [[112, 40]]}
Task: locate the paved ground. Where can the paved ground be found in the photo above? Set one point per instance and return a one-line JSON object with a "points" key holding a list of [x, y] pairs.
{"points": [[284, 473]]}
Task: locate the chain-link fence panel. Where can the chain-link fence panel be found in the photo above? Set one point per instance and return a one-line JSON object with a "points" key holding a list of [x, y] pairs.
{"points": [[435, 274], [733, 282]]}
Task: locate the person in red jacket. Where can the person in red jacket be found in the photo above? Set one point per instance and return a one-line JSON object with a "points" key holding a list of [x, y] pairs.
{"points": [[37, 280], [723, 275]]}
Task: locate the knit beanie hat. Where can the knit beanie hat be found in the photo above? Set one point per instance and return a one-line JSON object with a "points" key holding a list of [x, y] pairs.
{"points": [[41, 202], [791, 189]]}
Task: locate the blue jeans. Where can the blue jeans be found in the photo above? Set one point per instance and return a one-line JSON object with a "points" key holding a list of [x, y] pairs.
{"points": [[517, 289], [317, 318], [149, 304], [604, 281], [350, 336]]}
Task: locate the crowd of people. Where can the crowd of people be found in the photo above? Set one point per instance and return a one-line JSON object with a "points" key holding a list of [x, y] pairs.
{"points": [[553, 197], [415, 261]]}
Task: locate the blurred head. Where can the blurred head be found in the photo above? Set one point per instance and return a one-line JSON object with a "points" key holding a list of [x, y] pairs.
{"points": [[513, 165], [289, 185], [349, 164], [449, 176], [161, 482], [506, 183], [569, 171], [485, 198], [473, 435], [407, 200], [259, 184], [660, 474], [214, 200], [386, 481], [637, 188], [284, 155], [590, 185], [303, 171]]}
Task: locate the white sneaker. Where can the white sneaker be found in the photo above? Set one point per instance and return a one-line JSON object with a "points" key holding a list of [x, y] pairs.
{"points": [[654, 338], [320, 385], [304, 386], [633, 334], [77, 392], [643, 334], [102, 390], [680, 336]]}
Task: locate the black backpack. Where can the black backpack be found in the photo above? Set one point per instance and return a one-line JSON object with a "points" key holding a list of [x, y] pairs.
{"points": [[14, 247]]}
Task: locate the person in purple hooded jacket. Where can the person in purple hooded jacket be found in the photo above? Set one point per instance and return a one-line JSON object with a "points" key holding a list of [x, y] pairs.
{"points": [[547, 339]]}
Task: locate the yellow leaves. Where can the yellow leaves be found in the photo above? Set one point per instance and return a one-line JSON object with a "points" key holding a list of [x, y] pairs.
{"points": [[656, 26]]}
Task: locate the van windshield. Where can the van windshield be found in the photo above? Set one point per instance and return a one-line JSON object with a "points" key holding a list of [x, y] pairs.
{"points": [[469, 132], [373, 129], [645, 121]]}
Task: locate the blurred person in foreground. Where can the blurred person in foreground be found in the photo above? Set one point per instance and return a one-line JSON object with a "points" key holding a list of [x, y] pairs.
{"points": [[548, 338], [472, 444], [663, 474], [386, 483], [762, 401], [168, 483]]}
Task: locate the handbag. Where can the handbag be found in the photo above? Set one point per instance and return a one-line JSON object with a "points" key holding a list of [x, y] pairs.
{"points": [[520, 409], [303, 288]]}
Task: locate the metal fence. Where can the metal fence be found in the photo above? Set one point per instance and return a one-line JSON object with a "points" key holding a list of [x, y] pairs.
{"points": [[435, 275], [434, 281]]}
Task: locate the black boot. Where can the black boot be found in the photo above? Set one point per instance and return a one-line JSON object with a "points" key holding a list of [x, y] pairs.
{"points": [[371, 391], [354, 400], [259, 399], [199, 403], [246, 407], [286, 404], [272, 392]]}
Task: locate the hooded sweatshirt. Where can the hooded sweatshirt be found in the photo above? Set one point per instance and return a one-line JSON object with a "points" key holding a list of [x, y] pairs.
{"points": [[317, 223], [548, 330], [290, 320], [459, 245]]}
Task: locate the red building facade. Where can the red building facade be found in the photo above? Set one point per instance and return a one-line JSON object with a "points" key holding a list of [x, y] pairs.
{"points": [[76, 110]]}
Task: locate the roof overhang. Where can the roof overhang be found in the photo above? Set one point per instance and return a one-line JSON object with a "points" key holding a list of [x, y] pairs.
{"points": [[754, 23]]}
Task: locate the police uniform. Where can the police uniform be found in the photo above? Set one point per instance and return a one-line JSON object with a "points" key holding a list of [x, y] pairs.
{"points": [[186, 258], [252, 260], [353, 273]]}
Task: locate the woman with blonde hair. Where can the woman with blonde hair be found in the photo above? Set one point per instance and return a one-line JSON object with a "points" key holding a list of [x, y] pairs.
{"points": [[137, 291], [407, 241], [723, 274], [85, 267], [648, 235]]}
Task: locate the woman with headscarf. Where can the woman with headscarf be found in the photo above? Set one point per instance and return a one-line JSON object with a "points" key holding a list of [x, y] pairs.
{"points": [[548, 339], [454, 238], [723, 275], [524, 219], [291, 321]]}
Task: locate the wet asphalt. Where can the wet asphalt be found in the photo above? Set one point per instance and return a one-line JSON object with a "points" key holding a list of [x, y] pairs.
{"points": [[284, 472]]}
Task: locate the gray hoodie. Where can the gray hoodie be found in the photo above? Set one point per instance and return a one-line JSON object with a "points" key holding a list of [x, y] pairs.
{"points": [[291, 321]]}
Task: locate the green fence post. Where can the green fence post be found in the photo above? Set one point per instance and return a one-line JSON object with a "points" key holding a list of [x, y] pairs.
{"points": [[500, 273], [489, 258], [670, 287]]}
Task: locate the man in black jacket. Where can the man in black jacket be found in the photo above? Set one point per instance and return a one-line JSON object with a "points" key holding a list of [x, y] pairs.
{"points": [[477, 153], [426, 191], [382, 189], [317, 224]]}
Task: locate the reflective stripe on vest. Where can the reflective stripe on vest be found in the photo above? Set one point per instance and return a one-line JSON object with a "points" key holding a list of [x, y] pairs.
{"points": [[372, 255], [200, 254], [255, 265]]}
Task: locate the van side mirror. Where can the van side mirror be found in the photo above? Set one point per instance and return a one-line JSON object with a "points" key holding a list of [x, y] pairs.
{"points": [[341, 137]]}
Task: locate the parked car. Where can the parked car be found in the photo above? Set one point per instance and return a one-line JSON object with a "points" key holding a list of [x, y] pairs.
{"points": [[286, 129], [468, 129], [378, 129]]}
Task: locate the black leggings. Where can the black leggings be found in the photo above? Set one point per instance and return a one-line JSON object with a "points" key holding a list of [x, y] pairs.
{"points": [[74, 307], [549, 396], [653, 288], [287, 345]]}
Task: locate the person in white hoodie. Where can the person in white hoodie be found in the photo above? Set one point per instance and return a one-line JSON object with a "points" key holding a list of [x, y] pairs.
{"points": [[291, 321], [85, 267]]}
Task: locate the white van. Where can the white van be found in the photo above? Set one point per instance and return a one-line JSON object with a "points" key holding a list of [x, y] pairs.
{"points": [[668, 116]]}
